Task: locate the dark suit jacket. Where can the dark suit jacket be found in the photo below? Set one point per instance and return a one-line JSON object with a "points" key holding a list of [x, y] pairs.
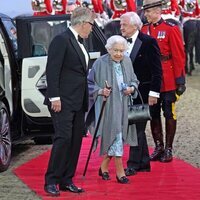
{"points": [[66, 72], [145, 57]]}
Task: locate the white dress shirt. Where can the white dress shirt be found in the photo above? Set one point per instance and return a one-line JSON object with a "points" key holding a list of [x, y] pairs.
{"points": [[130, 45], [81, 45]]}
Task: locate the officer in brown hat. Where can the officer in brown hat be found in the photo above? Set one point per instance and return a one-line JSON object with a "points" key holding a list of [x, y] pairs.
{"points": [[170, 41], [152, 3]]}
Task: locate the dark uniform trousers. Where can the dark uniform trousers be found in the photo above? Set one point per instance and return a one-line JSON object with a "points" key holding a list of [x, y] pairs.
{"points": [[167, 103]]}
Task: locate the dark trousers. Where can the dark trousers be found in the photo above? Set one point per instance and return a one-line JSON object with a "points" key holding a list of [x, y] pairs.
{"points": [[67, 141], [139, 155], [166, 102]]}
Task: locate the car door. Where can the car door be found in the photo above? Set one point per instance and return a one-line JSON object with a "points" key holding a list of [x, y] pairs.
{"points": [[9, 66], [34, 37]]}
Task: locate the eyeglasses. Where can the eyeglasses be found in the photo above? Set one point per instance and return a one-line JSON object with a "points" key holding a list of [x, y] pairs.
{"points": [[90, 23]]}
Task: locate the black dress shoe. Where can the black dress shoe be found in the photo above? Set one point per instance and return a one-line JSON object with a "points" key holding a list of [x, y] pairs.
{"points": [[51, 189], [167, 155], [104, 175], [130, 171], [157, 153], [71, 187], [123, 180]]}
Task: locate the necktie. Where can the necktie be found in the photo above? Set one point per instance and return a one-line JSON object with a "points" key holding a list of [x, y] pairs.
{"points": [[129, 40], [80, 39]]}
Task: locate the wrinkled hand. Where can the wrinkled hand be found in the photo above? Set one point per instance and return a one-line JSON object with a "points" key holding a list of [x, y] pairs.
{"points": [[180, 89], [152, 100], [106, 92], [56, 105], [128, 91]]}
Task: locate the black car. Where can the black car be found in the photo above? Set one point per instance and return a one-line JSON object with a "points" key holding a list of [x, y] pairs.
{"points": [[24, 44]]}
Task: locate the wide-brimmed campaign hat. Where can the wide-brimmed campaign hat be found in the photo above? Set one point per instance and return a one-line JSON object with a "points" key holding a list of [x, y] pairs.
{"points": [[153, 3]]}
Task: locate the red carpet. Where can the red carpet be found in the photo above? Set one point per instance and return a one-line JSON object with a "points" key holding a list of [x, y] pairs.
{"points": [[170, 181]]}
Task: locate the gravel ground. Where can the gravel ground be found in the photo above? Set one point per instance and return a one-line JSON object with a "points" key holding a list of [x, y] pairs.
{"points": [[186, 143]]}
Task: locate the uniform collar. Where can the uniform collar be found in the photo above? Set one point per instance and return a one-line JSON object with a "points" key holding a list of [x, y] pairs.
{"points": [[159, 22]]}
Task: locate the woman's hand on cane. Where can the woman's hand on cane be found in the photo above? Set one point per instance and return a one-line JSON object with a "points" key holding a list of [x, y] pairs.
{"points": [[106, 92]]}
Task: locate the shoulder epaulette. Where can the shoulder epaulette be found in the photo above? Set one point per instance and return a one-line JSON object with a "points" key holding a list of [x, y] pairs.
{"points": [[169, 23]]}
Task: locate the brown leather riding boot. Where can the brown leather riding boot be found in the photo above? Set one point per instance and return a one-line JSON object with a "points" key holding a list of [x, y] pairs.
{"points": [[170, 133], [156, 130]]}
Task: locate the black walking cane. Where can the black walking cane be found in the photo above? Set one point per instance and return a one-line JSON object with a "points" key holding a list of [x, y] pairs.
{"points": [[96, 129]]}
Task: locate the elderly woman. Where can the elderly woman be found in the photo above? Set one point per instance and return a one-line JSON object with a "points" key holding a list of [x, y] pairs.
{"points": [[117, 70]]}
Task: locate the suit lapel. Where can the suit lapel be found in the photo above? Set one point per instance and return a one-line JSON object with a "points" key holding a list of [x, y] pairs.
{"points": [[78, 50], [135, 49]]}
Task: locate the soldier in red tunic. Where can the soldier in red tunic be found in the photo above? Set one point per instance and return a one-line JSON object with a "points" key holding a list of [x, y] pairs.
{"points": [[189, 10], [171, 10], [120, 7], [98, 6], [41, 7], [170, 41], [60, 6], [101, 16]]}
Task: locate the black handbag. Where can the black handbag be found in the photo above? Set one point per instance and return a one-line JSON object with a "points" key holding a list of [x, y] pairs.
{"points": [[138, 112]]}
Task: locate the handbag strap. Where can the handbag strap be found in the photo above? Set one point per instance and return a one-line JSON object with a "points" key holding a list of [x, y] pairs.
{"points": [[141, 99]]}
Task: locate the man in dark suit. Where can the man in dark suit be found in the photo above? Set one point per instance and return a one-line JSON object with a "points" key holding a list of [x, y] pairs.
{"points": [[145, 55], [67, 100]]}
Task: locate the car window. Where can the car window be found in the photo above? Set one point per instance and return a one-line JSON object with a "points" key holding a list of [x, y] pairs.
{"points": [[42, 33], [36, 33]]}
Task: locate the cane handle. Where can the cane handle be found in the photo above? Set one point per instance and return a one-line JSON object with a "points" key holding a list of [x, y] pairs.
{"points": [[107, 85]]}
